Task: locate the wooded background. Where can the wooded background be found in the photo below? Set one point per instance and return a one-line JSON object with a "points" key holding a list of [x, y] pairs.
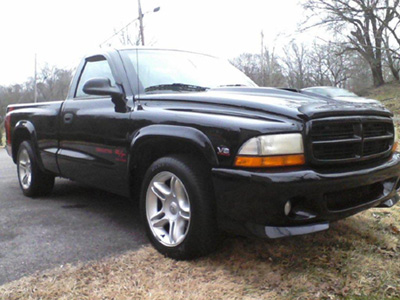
{"points": [[361, 49]]}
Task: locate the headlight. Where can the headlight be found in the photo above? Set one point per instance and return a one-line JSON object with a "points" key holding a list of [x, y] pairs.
{"points": [[272, 151]]}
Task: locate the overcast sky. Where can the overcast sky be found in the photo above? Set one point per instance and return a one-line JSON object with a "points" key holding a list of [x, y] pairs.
{"points": [[62, 32]]}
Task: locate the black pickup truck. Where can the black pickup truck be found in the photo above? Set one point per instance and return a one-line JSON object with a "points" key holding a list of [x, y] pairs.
{"points": [[205, 150]]}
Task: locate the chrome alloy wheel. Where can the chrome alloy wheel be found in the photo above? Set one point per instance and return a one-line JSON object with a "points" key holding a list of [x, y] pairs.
{"points": [[24, 169], [168, 209]]}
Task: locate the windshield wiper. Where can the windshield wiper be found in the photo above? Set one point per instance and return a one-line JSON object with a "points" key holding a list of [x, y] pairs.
{"points": [[178, 87]]}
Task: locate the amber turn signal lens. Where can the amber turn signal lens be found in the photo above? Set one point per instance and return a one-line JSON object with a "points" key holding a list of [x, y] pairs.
{"points": [[269, 161], [395, 146]]}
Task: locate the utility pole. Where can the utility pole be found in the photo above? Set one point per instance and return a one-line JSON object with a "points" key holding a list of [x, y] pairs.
{"points": [[262, 59], [35, 82], [141, 22], [140, 18]]}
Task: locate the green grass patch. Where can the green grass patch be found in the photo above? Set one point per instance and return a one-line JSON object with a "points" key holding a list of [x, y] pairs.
{"points": [[389, 95], [2, 138]]}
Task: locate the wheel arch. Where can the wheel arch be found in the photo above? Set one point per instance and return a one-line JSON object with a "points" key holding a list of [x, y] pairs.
{"points": [[25, 131], [156, 141]]}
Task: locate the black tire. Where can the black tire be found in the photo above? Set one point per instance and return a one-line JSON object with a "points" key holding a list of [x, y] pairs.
{"points": [[201, 237], [40, 183]]}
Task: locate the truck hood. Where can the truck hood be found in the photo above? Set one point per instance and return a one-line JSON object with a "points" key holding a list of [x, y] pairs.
{"points": [[289, 103], [356, 99]]}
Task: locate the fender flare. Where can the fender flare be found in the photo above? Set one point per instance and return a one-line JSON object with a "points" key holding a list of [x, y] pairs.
{"points": [[189, 135], [24, 125]]}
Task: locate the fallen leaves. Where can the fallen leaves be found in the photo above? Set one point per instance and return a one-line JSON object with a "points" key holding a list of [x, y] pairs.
{"points": [[357, 258], [394, 229]]}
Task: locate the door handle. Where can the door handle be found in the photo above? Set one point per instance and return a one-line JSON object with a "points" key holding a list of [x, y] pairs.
{"points": [[68, 117]]}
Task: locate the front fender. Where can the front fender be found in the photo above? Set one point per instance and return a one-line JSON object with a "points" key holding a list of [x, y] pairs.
{"points": [[189, 135]]}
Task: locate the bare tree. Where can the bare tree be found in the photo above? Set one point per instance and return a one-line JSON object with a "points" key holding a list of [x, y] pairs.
{"points": [[362, 22], [359, 74], [126, 38], [337, 63], [392, 26], [264, 70], [392, 58], [297, 64], [17, 93], [249, 64], [272, 71], [53, 83], [318, 65]]}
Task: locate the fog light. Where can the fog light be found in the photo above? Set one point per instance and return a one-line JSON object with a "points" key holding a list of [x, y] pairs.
{"points": [[288, 208]]}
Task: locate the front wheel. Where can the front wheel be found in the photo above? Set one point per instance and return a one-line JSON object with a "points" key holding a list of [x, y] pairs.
{"points": [[177, 207], [33, 181]]}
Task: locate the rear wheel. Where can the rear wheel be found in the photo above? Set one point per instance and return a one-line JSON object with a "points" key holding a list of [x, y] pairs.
{"points": [[177, 207], [33, 181]]}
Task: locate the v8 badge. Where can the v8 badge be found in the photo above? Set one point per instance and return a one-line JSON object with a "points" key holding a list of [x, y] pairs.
{"points": [[223, 151]]}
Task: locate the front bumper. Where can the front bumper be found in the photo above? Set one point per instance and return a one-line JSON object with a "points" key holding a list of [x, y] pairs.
{"points": [[253, 201]]}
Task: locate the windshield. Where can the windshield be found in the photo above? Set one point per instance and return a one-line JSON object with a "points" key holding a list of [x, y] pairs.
{"points": [[165, 70]]}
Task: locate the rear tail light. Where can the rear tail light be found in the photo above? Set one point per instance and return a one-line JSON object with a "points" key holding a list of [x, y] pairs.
{"points": [[7, 125]]}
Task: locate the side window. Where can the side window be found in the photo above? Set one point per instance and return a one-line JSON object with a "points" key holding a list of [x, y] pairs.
{"points": [[93, 69]]}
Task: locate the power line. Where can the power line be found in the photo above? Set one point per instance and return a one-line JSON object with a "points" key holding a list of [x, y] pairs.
{"points": [[118, 32], [131, 22]]}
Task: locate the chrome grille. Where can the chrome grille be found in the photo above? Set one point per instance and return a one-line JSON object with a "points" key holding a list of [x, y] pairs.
{"points": [[346, 139]]}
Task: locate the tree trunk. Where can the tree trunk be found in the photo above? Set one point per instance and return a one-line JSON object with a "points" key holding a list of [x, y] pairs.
{"points": [[377, 74], [394, 71]]}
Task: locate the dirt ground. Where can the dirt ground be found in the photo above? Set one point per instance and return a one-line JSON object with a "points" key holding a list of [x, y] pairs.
{"points": [[358, 258]]}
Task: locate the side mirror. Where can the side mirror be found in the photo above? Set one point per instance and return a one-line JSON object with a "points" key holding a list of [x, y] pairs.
{"points": [[102, 87]]}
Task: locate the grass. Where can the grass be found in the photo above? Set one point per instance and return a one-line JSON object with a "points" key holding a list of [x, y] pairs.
{"points": [[389, 95], [2, 138], [358, 258]]}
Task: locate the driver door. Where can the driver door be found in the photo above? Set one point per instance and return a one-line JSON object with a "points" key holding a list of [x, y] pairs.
{"points": [[93, 136]]}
